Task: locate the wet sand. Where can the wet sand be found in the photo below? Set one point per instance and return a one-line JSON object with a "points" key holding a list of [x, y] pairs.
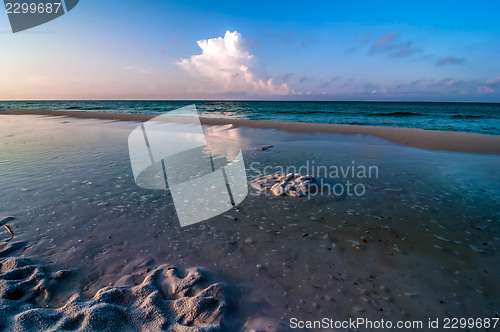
{"points": [[420, 243], [425, 139]]}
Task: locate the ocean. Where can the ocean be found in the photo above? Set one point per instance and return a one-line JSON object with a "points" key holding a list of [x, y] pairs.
{"points": [[481, 118]]}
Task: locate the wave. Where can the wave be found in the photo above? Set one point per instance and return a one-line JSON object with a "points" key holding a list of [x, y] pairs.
{"points": [[87, 108], [91, 108], [459, 116], [397, 114]]}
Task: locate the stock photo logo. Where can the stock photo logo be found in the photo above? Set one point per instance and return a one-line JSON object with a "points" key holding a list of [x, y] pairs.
{"points": [[26, 14], [205, 176]]}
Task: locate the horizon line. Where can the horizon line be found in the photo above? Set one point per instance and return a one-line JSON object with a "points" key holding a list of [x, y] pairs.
{"points": [[254, 100]]}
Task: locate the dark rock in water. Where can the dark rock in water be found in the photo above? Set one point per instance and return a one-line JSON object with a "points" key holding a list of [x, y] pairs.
{"points": [[281, 184], [263, 147]]}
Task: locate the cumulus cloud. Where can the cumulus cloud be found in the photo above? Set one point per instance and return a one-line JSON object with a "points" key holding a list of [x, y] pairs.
{"points": [[226, 64], [390, 43], [450, 60]]}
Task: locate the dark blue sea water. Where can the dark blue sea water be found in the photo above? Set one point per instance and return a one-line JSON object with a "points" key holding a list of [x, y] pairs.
{"points": [[480, 118]]}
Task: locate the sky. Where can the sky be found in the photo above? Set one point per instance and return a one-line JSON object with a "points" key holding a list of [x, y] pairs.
{"points": [[258, 50]]}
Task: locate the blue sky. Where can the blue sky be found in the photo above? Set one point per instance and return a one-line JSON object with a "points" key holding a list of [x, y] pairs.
{"points": [[331, 50]]}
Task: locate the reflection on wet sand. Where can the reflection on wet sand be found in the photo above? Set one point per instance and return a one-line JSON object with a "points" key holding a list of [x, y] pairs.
{"points": [[421, 242]]}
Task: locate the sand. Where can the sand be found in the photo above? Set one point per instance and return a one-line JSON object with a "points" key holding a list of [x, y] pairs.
{"points": [[421, 243], [165, 298], [420, 138]]}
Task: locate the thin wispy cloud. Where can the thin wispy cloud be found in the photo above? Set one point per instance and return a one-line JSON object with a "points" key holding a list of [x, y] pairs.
{"points": [[384, 43], [304, 78], [418, 89], [227, 65], [307, 41], [446, 82], [286, 76], [450, 60], [487, 87], [493, 82], [351, 50], [139, 70], [324, 85], [391, 44], [366, 39]]}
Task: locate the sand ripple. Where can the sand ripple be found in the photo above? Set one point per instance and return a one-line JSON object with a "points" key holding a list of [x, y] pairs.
{"points": [[166, 299]]}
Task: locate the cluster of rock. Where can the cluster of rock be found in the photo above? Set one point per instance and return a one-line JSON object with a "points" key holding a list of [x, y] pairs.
{"points": [[281, 184]]}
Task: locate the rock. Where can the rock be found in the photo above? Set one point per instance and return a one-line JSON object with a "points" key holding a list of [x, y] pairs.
{"points": [[278, 190], [304, 178], [279, 184], [259, 186], [263, 147], [294, 193], [285, 178], [302, 187]]}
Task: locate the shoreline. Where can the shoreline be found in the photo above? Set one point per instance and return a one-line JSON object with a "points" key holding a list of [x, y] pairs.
{"points": [[418, 138], [78, 211]]}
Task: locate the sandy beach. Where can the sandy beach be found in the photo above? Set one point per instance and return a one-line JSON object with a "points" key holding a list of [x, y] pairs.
{"points": [[425, 139], [249, 167], [92, 250]]}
